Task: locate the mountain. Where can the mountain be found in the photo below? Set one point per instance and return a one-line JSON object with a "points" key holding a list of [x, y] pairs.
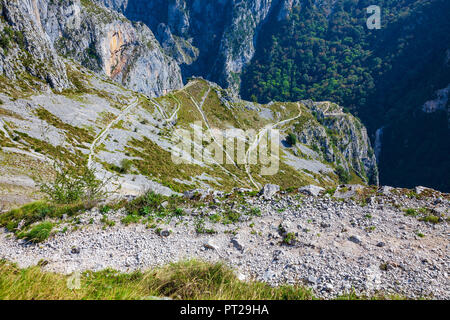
{"points": [[290, 50], [83, 85], [99, 39], [136, 146]]}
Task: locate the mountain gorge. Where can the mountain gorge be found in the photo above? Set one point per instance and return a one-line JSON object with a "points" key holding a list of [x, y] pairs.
{"points": [[258, 137], [289, 50], [82, 84], [66, 53]]}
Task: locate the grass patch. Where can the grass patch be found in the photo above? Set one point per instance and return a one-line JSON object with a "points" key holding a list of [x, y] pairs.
{"points": [[411, 212], [200, 227], [37, 212], [430, 219], [38, 233], [190, 280]]}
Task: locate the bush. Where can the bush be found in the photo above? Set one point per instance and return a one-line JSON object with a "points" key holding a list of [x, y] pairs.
{"points": [[74, 184], [344, 176], [291, 139]]}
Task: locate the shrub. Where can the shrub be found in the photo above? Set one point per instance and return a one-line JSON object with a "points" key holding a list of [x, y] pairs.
{"points": [[289, 238], [145, 204], [344, 176], [74, 184], [291, 139]]}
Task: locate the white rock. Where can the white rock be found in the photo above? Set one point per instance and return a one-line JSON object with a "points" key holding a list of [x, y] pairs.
{"points": [[269, 190], [311, 190]]}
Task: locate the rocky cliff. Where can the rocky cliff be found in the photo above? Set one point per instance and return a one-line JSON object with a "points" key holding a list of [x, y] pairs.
{"points": [[214, 39], [98, 38], [26, 49]]}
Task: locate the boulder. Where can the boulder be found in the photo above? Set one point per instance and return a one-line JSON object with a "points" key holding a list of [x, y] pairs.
{"points": [[269, 190], [311, 190], [355, 239]]}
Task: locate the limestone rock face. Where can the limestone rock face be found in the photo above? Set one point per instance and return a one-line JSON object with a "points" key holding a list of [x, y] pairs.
{"points": [[214, 39], [26, 46], [100, 39], [342, 139]]}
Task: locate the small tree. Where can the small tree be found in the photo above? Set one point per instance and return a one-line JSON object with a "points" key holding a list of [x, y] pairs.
{"points": [[73, 184], [291, 139]]}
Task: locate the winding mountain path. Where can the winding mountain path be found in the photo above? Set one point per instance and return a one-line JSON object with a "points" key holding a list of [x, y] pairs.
{"points": [[255, 143], [104, 132]]}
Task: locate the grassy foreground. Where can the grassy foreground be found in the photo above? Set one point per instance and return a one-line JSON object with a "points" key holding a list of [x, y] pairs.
{"points": [[188, 280], [184, 280]]}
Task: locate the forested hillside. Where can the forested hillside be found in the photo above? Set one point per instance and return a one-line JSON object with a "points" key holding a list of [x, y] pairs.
{"points": [[383, 76]]}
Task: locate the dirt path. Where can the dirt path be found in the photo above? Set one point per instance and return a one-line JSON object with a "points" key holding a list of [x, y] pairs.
{"points": [[104, 132], [255, 143]]}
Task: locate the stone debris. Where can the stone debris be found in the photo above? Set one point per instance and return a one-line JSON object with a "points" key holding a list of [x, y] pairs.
{"points": [[340, 245]]}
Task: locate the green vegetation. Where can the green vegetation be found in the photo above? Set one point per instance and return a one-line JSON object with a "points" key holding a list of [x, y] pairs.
{"points": [[291, 139], [152, 208], [289, 238], [430, 219], [189, 280], [9, 36], [131, 218], [420, 234], [200, 226], [255, 212], [383, 76], [410, 212], [124, 168], [73, 184], [38, 233], [37, 212], [107, 222], [344, 176]]}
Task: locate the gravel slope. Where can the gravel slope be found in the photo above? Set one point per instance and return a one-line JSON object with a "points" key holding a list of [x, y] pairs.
{"points": [[340, 244]]}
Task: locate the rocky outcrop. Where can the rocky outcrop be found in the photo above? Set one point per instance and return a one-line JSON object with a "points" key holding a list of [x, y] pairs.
{"points": [[342, 139], [105, 41], [26, 48], [440, 103], [214, 39]]}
